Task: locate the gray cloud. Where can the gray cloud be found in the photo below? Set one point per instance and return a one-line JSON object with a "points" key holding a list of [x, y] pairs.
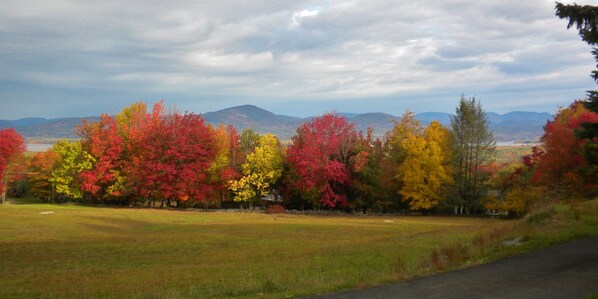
{"points": [[87, 57]]}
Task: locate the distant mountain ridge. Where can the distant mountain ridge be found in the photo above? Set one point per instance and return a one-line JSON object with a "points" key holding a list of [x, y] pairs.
{"points": [[41, 128], [517, 125]]}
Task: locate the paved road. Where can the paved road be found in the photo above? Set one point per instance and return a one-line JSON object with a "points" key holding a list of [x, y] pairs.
{"points": [[568, 270]]}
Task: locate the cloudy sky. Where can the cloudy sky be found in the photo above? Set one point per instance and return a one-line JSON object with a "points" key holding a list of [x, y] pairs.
{"points": [[87, 57]]}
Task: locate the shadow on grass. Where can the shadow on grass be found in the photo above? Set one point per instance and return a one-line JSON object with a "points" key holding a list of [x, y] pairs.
{"points": [[26, 200]]}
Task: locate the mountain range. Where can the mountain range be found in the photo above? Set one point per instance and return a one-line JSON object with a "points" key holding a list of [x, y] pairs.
{"points": [[517, 125]]}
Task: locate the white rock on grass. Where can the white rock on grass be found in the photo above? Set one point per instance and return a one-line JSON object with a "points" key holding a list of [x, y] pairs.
{"points": [[515, 242], [46, 213]]}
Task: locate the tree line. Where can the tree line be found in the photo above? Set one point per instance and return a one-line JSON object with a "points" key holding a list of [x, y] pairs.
{"points": [[168, 158]]}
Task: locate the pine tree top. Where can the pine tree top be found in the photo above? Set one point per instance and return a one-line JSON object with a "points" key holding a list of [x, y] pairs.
{"points": [[584, 17]]}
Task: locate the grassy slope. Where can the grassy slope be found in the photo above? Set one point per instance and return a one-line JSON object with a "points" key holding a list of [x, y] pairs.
{"points": [[108, 252], [551, 225]]}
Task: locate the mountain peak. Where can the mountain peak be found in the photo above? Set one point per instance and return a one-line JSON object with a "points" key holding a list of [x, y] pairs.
{"points": [[246, 107]]}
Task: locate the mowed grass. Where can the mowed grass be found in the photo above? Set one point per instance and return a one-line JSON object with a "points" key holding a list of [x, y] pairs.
{"points": [[94, 252]]}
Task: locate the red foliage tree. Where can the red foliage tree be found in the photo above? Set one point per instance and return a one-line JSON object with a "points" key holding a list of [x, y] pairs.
{"points": [[319, 158], [104, 142], [11, 147], [172, 157], [563, 160]]}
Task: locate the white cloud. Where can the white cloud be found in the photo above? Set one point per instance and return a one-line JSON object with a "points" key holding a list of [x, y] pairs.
{"points": [[235, 63], [299, 16], [343, 50]]}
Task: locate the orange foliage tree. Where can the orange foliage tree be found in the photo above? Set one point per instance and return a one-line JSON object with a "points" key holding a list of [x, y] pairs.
{"points": [[40, 168]]}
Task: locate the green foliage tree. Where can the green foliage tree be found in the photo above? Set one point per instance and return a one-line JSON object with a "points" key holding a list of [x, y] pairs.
{"points": [[368, 173], [248, 141], [585, 18], [72, 160], [473, 145], [261, 171]]}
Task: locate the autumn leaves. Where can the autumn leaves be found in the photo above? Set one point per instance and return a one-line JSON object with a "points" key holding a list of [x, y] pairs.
{"points": [[11, 148], [167, 158], [261, 171], [176, 159]]}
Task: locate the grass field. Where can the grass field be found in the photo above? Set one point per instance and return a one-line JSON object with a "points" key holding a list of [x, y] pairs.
{"points": [[510, 154], [93, 252]]}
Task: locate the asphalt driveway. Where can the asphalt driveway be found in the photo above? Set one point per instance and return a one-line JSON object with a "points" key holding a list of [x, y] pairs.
{"points": [[567, 270]]}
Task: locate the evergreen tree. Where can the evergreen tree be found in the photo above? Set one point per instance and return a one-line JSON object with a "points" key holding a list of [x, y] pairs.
{"points": [[473, 146], [585, 18], [249, 140]]}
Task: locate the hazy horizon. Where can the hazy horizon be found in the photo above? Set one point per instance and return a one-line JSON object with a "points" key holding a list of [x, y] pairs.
{"points": [[281, 114]]}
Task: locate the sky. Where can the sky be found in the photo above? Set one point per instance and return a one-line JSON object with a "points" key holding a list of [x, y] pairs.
{"points": [[86, 57]]}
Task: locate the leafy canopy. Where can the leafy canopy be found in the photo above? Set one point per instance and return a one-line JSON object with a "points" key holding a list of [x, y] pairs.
{"points": [[261, 171]]}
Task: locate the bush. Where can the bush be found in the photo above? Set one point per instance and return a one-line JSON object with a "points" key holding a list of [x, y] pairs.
{"points": [[518, 201], [447, 256], [276, 209], [541, 216]]}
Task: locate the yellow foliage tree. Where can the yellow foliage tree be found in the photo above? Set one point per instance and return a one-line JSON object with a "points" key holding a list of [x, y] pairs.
{"points": [[519, 200], [72, 160], [424, 172], [261, 170], [408, 125]]}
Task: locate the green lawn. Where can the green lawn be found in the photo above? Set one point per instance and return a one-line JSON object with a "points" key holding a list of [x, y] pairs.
{"points": [[107, 252]]}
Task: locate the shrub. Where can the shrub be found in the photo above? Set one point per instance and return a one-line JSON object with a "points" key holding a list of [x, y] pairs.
{"points": [[541, 216], [447, 256], [276, 209], [518, 201]]}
